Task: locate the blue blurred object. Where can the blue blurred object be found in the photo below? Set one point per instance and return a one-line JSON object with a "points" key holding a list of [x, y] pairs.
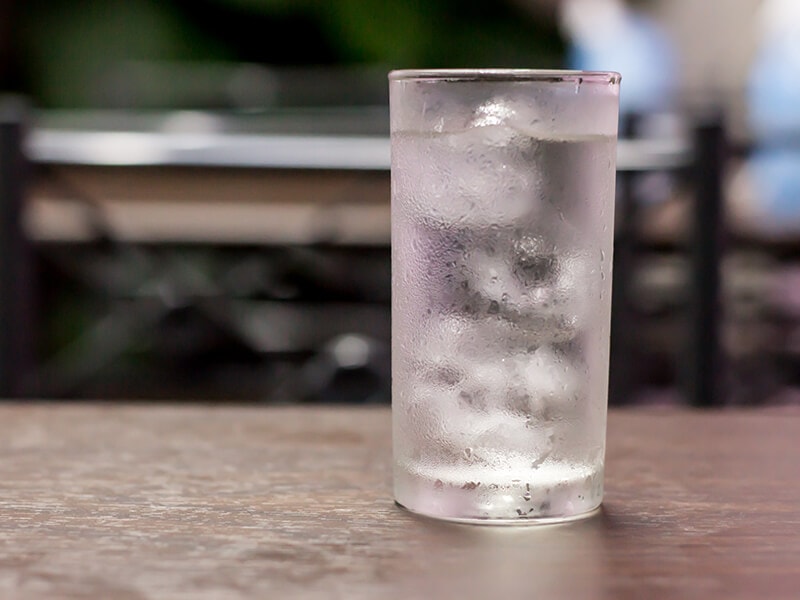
{"points": [[774, 86], [607, 35], [775, 172], [773, 95], [774, 90]]}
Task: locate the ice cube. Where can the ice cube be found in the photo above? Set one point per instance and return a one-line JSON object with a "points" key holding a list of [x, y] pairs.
{"points": [[552, 300], [457, 342], [458, 352], [440, 425], [493, 112], [494, 119], [509, 443], [535, 290], [534, 263], [472, 179], [489, 273], [464, 359], [544, 384], [491, 177], [559, 114], [520, 119], [483, 387], [439, 358]]}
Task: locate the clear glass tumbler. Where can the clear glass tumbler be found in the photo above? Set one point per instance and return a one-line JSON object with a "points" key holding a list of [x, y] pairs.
{"points": [[502, 231]]}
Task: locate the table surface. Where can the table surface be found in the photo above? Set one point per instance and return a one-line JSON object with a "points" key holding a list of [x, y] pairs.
{"points": [[133, 502]]}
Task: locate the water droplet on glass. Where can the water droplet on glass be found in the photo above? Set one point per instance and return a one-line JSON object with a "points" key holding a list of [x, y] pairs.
{"points": [[602, 255], [468, 452], [494, 307], [526, 496], [603, 275]]}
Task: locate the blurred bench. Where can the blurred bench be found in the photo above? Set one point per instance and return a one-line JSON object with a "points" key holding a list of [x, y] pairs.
{"points": [[192, 178]]}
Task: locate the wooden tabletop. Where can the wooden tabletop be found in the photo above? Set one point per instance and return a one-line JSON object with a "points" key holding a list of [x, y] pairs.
{"points": [[134, 502]]}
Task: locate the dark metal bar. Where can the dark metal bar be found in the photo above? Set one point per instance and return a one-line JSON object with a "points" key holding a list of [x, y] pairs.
{"points": [[622, 384], [704, 356], [16, 275]]}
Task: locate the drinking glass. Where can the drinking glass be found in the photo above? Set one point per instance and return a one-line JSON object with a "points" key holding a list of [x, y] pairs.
{"points": [[502, 236]]}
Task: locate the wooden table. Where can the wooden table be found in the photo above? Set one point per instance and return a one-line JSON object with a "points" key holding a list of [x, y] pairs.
{"points": [[133, 502]]}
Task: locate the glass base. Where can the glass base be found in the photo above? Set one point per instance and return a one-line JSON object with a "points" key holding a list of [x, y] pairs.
{"points": [[551, 494], [517, 522]]}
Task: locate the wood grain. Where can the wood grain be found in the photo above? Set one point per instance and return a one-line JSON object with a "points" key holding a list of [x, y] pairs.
{"points": [[134, 502]]}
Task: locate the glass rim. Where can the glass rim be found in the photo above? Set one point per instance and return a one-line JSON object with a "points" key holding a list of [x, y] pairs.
{"points": [[532, 75]]}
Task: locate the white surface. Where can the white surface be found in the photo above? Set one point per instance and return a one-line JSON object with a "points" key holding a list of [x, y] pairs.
{"points": [[127, 148]]}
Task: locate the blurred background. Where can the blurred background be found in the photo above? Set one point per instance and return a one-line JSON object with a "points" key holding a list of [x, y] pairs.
{"points": [[194, 196]]}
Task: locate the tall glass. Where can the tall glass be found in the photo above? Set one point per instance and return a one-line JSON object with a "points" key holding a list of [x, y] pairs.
{"points": [[502, 223]]}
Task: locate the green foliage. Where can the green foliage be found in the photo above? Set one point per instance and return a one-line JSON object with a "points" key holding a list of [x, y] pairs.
{"points": [[381, 31], [70, 48]]}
